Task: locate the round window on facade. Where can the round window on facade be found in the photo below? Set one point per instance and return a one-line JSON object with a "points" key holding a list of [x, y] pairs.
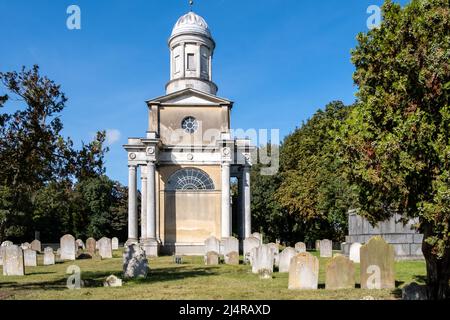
{"points": [[189, 124]]}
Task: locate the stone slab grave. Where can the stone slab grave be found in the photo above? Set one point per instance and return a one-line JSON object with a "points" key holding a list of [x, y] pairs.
{"points": [[377, 264], [30, 258], [304, 272], [105, 248], [135, 263], [36, 246], [262, 261], [285, 259], [340, 273], [13, 261], [326, 248], [212, 244], [212, 258], [68, 247], [49, 257], [230, 245], [2, 246], [355, 252], [249, 244], [80, 244], [276, 253], [115, 243], [91, 245], [300, 247]]}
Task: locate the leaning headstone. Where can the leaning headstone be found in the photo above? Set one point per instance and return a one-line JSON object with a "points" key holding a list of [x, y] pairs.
{"points": [[340, 274], [105, 248], [135, 263], [212, 258], [249, 244], [326, 248], [232, 258], [354, 252], [36, 246], [49, 257], [68, 247], [13, 262], [258, 236], [263, 261], [276, 253], [377, 264], [317, 245], [90, 245], [285, 259], [112, 281], [212, 244], [414, 291], [80, 244], [300, 247], [30, 258], [304, 272], [115, 243], [25, 246]]}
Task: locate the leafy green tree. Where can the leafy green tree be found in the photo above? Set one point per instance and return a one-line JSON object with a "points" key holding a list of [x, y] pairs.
{"points": [[397, 139]]}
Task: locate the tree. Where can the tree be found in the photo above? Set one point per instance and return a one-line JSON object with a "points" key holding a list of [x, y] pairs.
{"points": [[396, 141]]}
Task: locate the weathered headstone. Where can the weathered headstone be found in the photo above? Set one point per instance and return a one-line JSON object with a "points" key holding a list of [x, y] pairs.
{"points": [[340, 274], [258, 236], [30, 258], [285, 259], [262, 263], [249, 244], [105, 248], [2, 246], [300, 247], [115, 243], [354, 252], [276, 253], [232, 258], [211, 258], [317, 245], [49, 257], [112, 281], [68, 247], [377, 265], [25, 246], [91, 245], [212, 244], [36, 246], [6, 243], [304, 272], [80, 244], [13, 262], [326, 248], [228, 245], [135, 263]]}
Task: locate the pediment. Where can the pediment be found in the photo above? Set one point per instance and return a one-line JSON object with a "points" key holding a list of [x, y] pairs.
{"points": [[188, 97]]}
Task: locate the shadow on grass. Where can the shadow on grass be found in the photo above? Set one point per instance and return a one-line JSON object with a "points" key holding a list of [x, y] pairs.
{"points": [[175, 273], [59, 284]]}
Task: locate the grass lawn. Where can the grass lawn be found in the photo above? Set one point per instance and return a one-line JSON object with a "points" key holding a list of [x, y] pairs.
{"points": [[191, 280]]}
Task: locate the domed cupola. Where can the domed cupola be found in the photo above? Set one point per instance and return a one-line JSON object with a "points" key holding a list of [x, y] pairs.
{"points": [[191, 51]]}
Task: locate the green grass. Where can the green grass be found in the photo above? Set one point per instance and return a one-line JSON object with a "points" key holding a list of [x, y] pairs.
{"points": [[191, 280]]}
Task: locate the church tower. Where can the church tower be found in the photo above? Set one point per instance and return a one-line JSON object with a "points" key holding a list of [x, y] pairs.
{"points": [[188, 156]]}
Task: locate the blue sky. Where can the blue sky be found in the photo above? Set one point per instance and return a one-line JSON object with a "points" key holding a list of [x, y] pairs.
{"points": [[278, 60]]}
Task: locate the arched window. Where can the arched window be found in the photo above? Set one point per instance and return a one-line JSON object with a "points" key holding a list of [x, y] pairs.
{"points": [[190, 179]]}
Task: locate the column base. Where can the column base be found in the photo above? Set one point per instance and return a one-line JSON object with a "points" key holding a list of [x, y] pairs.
{"points": [[131, 241], [151, 247]]}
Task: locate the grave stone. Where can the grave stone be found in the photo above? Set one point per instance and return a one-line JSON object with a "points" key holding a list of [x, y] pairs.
{"points": [[49, 256], [105, 248], [212, 244], [232, 258], [91, 245], [36, 245], [68, 247], [285, 259], [304, 272], [13, 262], [80, 244], [354, 252], [30, 258], [326, 248], [212, 258], [135, 263], [276, 253], [249, 244], [377, 264], [262, 261], [340, 274], [300, 247], [115, 243]]}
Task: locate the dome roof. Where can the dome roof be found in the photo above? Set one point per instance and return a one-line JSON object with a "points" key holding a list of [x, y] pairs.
{"points": [[191, 23]]}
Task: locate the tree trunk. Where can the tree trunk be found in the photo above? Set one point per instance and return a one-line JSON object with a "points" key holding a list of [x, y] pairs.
{"points": [[438, 270]]}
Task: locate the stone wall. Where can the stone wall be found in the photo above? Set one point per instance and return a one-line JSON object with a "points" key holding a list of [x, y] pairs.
{"points": [[406, 241]]}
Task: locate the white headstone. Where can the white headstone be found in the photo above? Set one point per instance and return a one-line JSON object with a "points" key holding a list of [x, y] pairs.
{"points": [[276, 253], [285, 259], [36, 245], [80, 244], [326, 248], [300, 247], [68, 247], [263, 261], [13, 263], [354, 252], [49, 256], [212, 244], [30, 258], [249, 244], [105, 248], [115, 243], [304, 272], [25, 246], [258, 236], [228, 246]]}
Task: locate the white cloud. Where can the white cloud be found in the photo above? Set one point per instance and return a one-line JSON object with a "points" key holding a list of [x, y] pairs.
{"points": [[112, 136]]}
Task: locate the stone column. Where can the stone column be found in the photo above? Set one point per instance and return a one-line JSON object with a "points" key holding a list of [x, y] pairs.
{"points": [[151, 245], [247, 208], [226, 209], [132, 205], [143, 203]]}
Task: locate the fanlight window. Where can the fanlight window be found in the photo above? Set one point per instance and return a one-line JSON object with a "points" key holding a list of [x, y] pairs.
{"points": [[190, 179]]}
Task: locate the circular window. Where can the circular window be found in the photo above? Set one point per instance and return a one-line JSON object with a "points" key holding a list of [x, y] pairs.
{"points": [[189, 124]]}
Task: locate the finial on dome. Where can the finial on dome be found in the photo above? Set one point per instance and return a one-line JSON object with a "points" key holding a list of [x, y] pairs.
{"points": [[191, 3]]}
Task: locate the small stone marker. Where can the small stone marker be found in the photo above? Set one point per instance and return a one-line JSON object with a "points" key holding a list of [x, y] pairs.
{"points": [[80, 244], [211, 258], [36, 246], [91, 245], [105, 248], [212, 244], [68, 247], [115, 243], [340, 274], [49, 257], [354, 252], [377, 265], [304, 272], [326, 248], [13, 262], [30, 258], [276, 253], [262, 262], [135, 263], [232, 258], [112, 281], [285, 259], [249, 244], [300, 247]]}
